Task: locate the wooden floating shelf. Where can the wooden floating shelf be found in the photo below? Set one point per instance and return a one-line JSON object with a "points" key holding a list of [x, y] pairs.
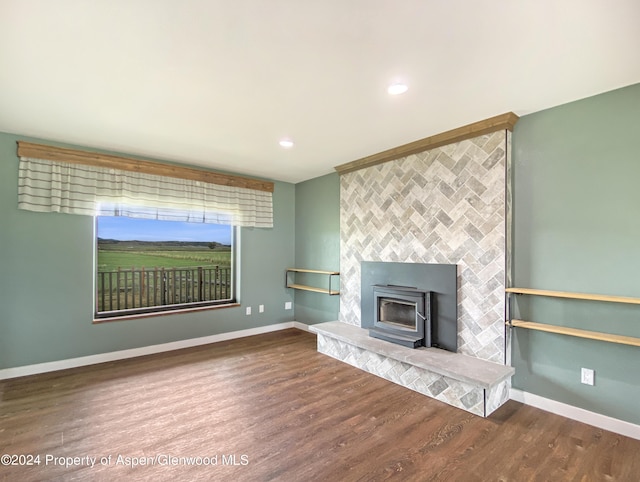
{"points": [[575, 296], [318, 271], [312, 288], [562, 330], [315, 289]]}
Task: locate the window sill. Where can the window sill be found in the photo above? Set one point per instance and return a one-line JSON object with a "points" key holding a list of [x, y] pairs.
{"points": [[97, 321]]}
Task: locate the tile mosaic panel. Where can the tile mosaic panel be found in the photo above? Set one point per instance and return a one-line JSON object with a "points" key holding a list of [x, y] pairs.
{"points": [[445, 205], [453, 392], [496, 396]]}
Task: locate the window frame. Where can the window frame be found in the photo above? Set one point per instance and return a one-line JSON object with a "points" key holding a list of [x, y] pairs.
{"points": [[168, 309]]}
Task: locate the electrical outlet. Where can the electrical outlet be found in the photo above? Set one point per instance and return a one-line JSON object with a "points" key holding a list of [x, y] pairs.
{"points": [[587, 376], [288, 305], [261, 308], [248, 310]]}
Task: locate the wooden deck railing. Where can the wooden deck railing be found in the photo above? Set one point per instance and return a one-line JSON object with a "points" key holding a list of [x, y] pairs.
{"points": [[127, 289]]}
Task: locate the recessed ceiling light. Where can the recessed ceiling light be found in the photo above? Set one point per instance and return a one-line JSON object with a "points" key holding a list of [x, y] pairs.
{"points": [[286, 143], [397, 88]]}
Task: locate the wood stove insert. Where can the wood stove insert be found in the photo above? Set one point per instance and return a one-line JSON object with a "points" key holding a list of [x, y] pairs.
{"points": [[402, 315]]}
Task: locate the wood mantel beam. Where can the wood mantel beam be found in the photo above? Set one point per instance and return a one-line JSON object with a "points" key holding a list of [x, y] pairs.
{"points": [[487, 126]]}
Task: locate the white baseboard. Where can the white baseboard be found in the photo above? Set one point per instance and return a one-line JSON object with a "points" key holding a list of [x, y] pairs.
{"points": [[591, 418], [581, 415], [301, 326], [145, 350]]}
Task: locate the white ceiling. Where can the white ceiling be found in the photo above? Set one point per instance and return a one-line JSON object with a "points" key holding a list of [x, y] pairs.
{"points": [[217, 83]]}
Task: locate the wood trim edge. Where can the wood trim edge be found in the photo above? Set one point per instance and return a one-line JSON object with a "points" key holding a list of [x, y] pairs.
{"points": [[574, 296], [500, 122], [153, 314], [76, 156], [577, 332], [317, 271]]}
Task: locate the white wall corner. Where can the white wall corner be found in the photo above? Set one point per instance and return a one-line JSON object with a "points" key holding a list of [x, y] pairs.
{"points": [[301, 326]]}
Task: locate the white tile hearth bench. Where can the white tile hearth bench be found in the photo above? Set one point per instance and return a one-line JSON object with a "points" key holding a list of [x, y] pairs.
{"points": [[475, 385]]}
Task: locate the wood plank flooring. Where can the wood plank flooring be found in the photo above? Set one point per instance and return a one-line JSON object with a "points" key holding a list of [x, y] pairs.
{"points": [[270, 407]]}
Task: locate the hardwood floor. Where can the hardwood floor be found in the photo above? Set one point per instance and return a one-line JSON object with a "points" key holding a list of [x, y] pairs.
{"points": [[270, 407]]}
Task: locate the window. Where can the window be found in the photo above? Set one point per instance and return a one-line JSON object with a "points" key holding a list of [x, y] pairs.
{"points": [[148, 276], [146, 265]]}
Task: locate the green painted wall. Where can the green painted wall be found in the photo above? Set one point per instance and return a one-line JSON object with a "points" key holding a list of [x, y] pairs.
{"points": [[576, 228], [46, 278], [317, 245]]}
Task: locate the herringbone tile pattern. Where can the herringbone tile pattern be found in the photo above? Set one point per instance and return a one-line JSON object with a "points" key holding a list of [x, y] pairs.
{"points": [[454, 392], [445, 205]]}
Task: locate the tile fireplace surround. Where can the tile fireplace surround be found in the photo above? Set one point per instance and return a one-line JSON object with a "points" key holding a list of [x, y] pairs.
{"points": [[446, 205], [474, 385]]}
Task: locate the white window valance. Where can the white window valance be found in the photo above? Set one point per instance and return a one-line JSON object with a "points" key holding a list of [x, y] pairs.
{"points": [[57, 186]]}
